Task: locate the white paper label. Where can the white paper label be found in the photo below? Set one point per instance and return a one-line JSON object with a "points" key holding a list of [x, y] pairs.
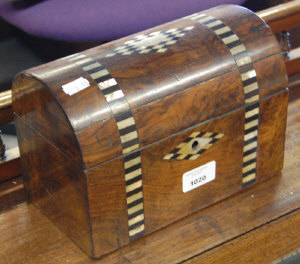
{"points": [[76, 86], [198, 176]]}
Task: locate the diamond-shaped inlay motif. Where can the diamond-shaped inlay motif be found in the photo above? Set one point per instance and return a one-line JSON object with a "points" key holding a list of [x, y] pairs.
{"points": [[193, 146], [158, 41]]}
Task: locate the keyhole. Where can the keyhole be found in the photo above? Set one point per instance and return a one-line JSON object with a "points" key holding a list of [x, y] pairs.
{"points": [[195, 146]]}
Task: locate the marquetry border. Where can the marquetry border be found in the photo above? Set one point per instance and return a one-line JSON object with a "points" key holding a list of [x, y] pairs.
{"points": [[128, 135], [160, 41], [250, 86]]}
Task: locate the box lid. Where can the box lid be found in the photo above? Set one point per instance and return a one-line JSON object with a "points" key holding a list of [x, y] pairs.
{"points": [[114, 99]]}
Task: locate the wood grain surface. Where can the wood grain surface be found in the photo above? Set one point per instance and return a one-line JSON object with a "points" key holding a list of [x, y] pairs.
{"points": [[27, 236], [264, 249]]}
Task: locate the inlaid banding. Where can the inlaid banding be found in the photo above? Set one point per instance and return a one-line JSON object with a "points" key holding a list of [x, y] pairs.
{"points": [[133, 180], [135, 210], [121, 116], [135, 226], [251, 135], [97, 70], [133, 167], [110, 89], [89, 67], [248, 152], [250, 86], [246, 163], [137, 213], [129, 138], [249, 157], [232, 41], [249, 81], [213, 23], [134, 188], [134, 200], [251, 94]]}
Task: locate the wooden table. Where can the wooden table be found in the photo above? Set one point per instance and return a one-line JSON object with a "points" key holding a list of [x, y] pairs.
{"points": [[259, 225]]}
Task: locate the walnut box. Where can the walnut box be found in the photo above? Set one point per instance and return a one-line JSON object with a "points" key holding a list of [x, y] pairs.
{"points": [[126, 138]]}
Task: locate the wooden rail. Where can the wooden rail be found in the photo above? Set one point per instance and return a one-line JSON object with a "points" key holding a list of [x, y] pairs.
{"points": [[293, 62], [5, 99], [282, 17], [10, 165], [6, 114]]}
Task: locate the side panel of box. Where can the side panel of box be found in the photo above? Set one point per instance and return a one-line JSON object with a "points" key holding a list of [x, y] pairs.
{"points": [[55, 185], [272, 125], [39, 109]]}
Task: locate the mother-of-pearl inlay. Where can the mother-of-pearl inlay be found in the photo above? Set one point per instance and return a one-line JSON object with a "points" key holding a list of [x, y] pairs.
{"points": [[157, 41]]}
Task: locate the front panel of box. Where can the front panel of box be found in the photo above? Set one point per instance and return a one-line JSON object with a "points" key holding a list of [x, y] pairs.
{"points": [[145, 191], [165, 163], [130, 198]]}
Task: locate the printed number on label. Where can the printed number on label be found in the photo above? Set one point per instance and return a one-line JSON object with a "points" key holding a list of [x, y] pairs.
{"points": [[198, 176]]}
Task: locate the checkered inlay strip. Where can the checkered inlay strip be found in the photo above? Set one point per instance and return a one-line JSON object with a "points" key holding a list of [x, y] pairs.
{"points": [[193, 146], [251, 90], [128, 136], [158, 41]]}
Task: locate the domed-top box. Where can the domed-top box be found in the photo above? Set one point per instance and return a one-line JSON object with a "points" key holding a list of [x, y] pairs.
{"points": [[123, 139]]}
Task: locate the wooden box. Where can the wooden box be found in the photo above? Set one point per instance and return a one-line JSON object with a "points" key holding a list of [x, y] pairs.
{"points": [[123, 139]]}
